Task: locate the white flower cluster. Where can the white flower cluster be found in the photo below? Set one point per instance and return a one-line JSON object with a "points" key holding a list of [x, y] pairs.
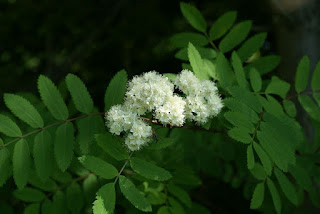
{"points": [[202, 101], [152, 92]]}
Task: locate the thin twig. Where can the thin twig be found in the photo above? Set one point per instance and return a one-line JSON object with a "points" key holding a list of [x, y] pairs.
{"points": [[51, 125], [211, 43], [124, 165]]}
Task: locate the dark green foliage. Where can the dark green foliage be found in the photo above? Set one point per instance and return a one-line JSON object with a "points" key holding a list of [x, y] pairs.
{"points": [[65, 161]]}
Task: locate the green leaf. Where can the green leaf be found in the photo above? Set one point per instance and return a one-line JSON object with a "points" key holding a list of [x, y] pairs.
{"points": [[98, 206], [32, 209], [238, 69], [74, 198], [290, 108], [171, 76], [278, 86], [302, 74], [271, 105], [113, 145], [133, 195], [43, 155], [258, 196], [52, 98], [180, 193], [21, 163], [275, 195], [5, 166], [301, 176], [79, 93], [250, 157], [258, 172], [240, 120], [236, 35], [90, 185], [28, 194], [246, 97], [255, 80], [24, 110], [162, 143], [210, 67], [240, 134], [222, 25], [99, 167], [194, 16], [149, 170], [196, 62], [175, 207], [315, 83], [107, 196], [287, 187], [87, 128], [265, 160], [238, 106], [116, 90], [205, 53], [8, 127], [252, 45], [224, 72], [63, 145], [181, 40], [270, 135], [310, 107], [264, 64], [164, 210]]}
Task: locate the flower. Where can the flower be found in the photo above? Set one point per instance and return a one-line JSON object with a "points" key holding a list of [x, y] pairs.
{"points": [[152, 92], [147, 92], [172, 112]]}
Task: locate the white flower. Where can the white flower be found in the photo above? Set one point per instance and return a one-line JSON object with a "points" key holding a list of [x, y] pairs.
{"points": [[187, 82], [135, 142], [196, 109], [147, 92], [172, 112], [119, 119], [141, 129]]}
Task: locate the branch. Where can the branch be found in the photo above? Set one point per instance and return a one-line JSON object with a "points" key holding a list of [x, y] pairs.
{"points": [[51, 125]]}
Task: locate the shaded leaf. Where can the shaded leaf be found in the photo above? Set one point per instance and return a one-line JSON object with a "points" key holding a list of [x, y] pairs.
{"points": [[8, 127], [99, 167], [278, 86], [290, 108], [250, 157], [28, 194], [236, 35], [52, 98], [258, 196], [240, 134], [181, 40], [222, 25], [24, 110], [310, 107], [275, 195], [180, 193], [79, 93], [133, 195], [263, 158], [21, 163], [238, 70], [302, 74], [252, 45], [113, 145], [43, 155], [194, 16], [63, 145], [264, 64], [116, 90], [287, 187], [255, 80], [149, 170], [107, 196]]}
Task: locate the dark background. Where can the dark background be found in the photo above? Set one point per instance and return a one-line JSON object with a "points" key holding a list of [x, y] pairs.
{"points": [[95, 39]]}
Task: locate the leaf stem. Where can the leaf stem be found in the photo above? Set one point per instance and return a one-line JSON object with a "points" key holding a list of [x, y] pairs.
{"points": [[211, 43], [121, 170], [51, 125]]}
